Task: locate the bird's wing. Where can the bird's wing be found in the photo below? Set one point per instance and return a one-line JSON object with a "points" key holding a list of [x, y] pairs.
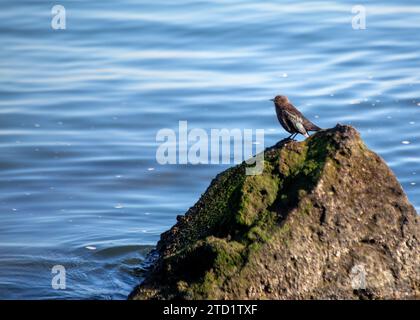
{"points": [[308, 125], [295, 121], [301, 128]]}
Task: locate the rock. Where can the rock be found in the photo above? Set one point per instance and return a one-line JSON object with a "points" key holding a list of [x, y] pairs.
{"points": [[327, 219]]}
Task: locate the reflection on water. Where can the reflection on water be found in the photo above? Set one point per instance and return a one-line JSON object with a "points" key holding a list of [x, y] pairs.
{"points": [[80, 108]]}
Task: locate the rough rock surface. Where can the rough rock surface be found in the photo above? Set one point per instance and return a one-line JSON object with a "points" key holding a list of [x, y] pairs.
{"points": [[327, 219]]}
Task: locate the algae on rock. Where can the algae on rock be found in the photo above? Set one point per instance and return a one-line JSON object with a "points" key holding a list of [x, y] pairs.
{"points": [[297, 231]]}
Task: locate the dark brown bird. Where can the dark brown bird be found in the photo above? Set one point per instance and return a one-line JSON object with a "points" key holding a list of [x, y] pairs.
{"points": [[291, 119]]}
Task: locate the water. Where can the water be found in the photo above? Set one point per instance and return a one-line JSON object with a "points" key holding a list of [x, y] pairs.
{"points": [[80, 108]]}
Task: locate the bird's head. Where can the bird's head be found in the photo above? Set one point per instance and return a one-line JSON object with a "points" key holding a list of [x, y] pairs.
{"points": [[280, 100]]}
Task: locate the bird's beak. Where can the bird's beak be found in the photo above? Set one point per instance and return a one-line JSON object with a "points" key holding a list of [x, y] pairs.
{"points": [[271, 99]]}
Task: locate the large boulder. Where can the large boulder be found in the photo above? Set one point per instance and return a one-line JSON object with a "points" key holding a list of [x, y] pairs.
{"points": [[327, 219]]}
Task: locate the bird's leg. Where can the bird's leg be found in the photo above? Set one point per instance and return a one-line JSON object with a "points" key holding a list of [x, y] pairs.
{"points": [[290, 137], [293, 136]]}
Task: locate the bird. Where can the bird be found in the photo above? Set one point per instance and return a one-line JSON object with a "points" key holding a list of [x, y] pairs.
{"points": [[291, 119]]}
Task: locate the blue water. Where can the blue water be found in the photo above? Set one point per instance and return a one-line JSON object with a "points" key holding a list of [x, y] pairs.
{"points": [[80, 108]]}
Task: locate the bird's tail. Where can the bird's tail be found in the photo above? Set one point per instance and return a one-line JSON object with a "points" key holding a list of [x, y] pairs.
{"points": [[309, 126]]}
